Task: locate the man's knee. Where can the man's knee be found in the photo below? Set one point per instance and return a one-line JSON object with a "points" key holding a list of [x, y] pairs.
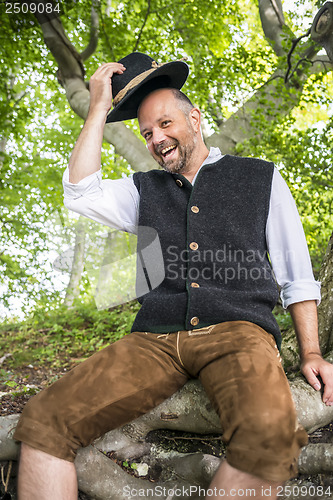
{"points": [[40, 430], [267, 443], [271, 427]]}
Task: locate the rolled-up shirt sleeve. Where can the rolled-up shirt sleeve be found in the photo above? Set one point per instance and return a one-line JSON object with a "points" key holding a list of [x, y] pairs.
{"points": [[287, 247], [110, 202]]}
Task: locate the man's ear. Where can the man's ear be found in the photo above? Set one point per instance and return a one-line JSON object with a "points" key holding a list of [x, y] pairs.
{"points": [[195, 118]]}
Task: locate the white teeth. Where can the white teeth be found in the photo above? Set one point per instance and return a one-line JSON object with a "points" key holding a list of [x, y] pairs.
{"points": [[165, 150]]}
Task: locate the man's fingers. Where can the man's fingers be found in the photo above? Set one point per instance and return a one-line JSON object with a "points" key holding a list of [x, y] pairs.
{"points": [[325, 370], [100, 87], [311, 378], [328, 396], [327, 377], [108, 69]]}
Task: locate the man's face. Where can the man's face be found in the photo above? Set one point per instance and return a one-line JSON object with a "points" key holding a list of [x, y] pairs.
{"points": [[169, 133]]}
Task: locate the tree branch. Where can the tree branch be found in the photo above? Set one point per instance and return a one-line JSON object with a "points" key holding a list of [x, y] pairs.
{"points": [[105, 33], [273, 24], [269, 102], [67, 57], [71, 72], [274, 99], [321, 64], [322, 28], [142, 27], [94, 30]]}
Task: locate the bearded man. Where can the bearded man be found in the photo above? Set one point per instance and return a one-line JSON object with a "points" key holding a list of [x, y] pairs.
{"points": [[218, 217]]}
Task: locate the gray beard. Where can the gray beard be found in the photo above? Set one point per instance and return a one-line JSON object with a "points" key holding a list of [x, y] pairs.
{"points": [[184, 158]]}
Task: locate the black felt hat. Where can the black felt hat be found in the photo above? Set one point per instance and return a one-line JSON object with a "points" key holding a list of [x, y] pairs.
{"points": [[142, 76]]}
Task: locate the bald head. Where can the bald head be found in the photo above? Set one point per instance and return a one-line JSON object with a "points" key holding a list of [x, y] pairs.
{"points": [[181, 101]]}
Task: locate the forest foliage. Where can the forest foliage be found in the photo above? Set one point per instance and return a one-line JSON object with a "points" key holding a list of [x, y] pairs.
{"points": [[229, 58]]}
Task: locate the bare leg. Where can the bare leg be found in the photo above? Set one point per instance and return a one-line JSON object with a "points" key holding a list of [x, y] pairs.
{"points": [[45, 477], [238, 484]]}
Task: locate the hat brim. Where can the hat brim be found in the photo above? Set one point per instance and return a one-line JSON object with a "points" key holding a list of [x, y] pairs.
{"points": [[173, 75]]}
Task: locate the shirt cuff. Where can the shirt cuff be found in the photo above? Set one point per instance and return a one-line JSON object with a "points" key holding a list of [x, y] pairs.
{"points": [[299, 291], [89, 186]]}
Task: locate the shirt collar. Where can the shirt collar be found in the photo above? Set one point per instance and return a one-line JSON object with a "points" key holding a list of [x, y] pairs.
{"points": [[214, 155]]}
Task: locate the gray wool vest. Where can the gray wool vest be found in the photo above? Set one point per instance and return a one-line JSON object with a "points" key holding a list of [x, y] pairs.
{"points": [[212, 238]]}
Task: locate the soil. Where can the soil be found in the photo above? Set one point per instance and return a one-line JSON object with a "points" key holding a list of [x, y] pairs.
{"points": [[29, 380]]}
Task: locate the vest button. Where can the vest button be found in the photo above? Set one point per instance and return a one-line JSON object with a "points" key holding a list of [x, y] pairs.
{"points": [[195, 209], [195, 285], [194, 245], [179, 182], [194, 321]]}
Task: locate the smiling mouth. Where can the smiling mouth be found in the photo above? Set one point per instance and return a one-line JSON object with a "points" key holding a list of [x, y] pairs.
{"points": [[165, 152]]}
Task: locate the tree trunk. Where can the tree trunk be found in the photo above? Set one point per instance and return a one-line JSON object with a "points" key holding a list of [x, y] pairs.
{"points": [[289, 349], [325, 310], [73, 287]]}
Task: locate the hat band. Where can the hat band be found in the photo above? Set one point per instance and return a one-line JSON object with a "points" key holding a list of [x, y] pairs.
{"points": [[133, 83]]}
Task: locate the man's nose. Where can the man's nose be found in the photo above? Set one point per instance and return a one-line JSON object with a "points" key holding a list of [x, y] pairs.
{"points": [[158, 136]]}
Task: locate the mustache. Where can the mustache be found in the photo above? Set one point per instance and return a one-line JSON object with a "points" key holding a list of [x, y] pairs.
{"points": [[165, 144]]}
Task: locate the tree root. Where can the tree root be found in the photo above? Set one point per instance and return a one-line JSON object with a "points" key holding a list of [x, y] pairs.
{"points": [[316, 459], [188, 410]]}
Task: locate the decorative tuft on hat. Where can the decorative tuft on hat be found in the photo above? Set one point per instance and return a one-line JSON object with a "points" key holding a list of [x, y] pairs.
{"points": [[142, 76]]}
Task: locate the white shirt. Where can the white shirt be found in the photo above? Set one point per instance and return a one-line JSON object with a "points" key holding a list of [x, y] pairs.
{"points": [[115, 203]]}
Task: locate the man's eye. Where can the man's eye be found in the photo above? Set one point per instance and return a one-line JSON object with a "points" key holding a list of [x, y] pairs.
{"points": [[147, 136], [165, 123]]}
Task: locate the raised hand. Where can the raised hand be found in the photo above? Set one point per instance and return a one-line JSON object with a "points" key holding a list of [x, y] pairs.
{"points": [[101, 89]]}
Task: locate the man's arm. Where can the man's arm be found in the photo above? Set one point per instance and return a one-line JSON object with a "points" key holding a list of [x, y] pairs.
{"points": [[86, 155], [110, 202], [304, 316]]}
